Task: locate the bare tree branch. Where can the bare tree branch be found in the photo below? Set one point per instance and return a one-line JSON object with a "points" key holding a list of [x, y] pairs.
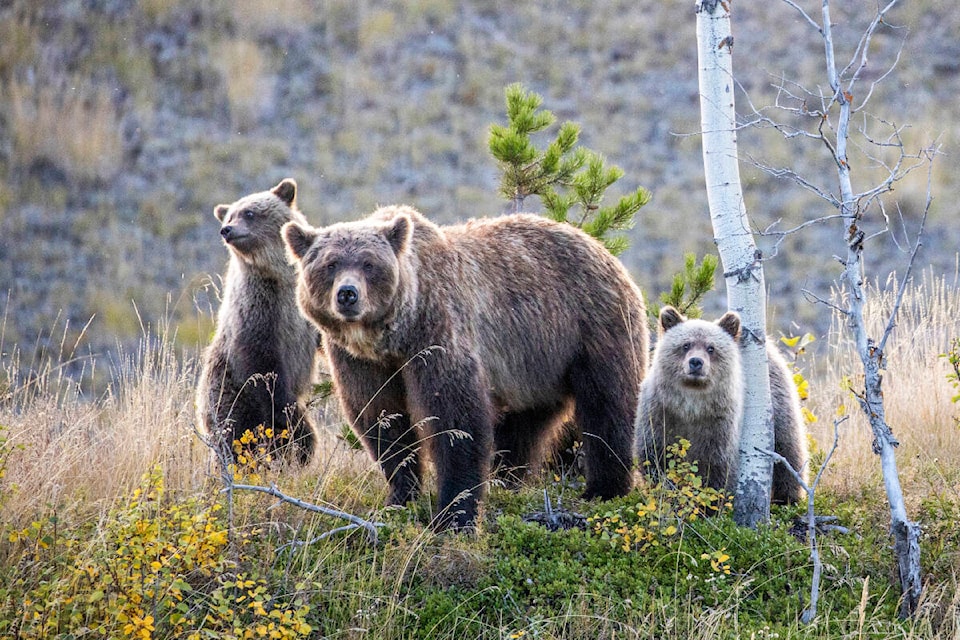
{"points": [[813, 521], [830, 124], [355, 521]]}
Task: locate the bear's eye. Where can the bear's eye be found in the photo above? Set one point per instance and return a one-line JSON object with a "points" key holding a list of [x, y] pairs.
{"points": [[248, 214], [331, 266], [368, 267], [710, 350], [686, 347]]}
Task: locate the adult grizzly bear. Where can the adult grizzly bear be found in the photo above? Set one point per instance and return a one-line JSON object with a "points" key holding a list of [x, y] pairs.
{"points": [[475, 336], [260, 365], [695, 391]]}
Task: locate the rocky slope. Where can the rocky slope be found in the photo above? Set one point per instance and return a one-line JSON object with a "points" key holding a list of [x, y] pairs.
{"points": [[123, 123]]}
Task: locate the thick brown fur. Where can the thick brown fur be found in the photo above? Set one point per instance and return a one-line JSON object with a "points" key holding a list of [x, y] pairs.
{"points": [[475, 338], [694, 390], [260, 365]]}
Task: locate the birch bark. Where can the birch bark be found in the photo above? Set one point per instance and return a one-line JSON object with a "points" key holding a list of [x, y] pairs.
{"points": [[743, 270]]}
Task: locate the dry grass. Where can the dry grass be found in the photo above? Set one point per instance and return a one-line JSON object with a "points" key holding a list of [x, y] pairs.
{"points": [[77, 452], [74, 126], [78, 449], [916, 393], [80, 455]]}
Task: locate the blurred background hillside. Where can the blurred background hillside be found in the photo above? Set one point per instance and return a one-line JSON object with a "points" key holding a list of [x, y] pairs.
{"points": [[122, 124]]}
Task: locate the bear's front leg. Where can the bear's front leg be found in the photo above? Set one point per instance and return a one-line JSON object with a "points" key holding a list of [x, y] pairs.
{"points": [[450, 398], [605, 390], [376, 406]]}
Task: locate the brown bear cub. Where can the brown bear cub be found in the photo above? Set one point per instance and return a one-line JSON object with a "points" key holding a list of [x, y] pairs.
{"points": [[694, 390], [260, 365], [472, 339]]}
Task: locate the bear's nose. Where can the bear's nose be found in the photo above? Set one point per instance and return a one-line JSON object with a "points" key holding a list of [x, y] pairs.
{"points": [[226, 230], [695, 365], [347, 295]]}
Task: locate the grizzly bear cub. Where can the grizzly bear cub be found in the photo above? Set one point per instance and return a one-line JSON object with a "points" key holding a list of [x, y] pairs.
{"points": [[260, 365], [472, 338], [695, 391]]}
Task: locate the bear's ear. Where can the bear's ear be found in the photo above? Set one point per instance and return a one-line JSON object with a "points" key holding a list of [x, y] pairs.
{"points": [[298, 238], [669, 318], [286, 191], [730, 322], [398, 233], [220, 211]]}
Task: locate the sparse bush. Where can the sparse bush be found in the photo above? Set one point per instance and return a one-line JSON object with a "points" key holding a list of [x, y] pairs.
{"points": [[159, 567], [661, 512], [74, 126], [952, 356]]}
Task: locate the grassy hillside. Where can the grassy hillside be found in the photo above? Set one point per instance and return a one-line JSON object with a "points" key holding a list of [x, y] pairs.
{"points": [[115, 524], [122, 124]]}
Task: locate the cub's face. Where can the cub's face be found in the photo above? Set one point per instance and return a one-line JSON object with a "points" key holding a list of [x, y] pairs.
{"points": [[250, 227], [698, 353], [349, 273]]}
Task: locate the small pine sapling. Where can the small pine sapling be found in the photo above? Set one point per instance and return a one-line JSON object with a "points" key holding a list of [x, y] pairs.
{"points": [[688, 287], [564, 176]]}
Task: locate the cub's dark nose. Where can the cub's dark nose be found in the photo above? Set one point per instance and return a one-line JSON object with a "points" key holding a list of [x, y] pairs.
{"points": [[225, 231], [695, 365], [347, 296]]}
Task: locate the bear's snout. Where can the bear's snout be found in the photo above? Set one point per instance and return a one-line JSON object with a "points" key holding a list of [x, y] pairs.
{"points": [[347, 298], [695, 366], [231, 233]]}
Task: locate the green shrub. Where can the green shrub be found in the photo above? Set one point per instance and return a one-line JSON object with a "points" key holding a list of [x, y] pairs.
{"points": [[156, 567]]}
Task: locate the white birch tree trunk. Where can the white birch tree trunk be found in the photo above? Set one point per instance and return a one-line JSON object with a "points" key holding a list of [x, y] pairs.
{"points": [[743, 270]]}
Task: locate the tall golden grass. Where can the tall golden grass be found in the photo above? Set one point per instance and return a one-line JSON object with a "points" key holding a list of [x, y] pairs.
{"points": [[915, 389], [77, 448], [81, 454]]}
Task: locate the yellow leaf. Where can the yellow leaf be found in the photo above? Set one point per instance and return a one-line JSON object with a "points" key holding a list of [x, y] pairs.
{"points": [[790, 342]]}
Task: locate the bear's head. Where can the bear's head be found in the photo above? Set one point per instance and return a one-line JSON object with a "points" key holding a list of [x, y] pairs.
{"points": [[250, 227], [350, 273], [698, 354]]}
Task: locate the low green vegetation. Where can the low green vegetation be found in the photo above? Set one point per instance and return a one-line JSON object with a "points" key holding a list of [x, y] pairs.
{"points": [[664, 561]]}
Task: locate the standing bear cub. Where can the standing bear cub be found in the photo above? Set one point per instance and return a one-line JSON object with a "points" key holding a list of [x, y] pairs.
{"points": [[472, 339], [695, 391], [260, 365]]}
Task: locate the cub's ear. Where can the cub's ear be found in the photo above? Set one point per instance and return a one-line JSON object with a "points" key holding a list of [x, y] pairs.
{"points": [[298, 239], [398, 233], [286, 191], [730, 322], [220, 211], [669, 318]]}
